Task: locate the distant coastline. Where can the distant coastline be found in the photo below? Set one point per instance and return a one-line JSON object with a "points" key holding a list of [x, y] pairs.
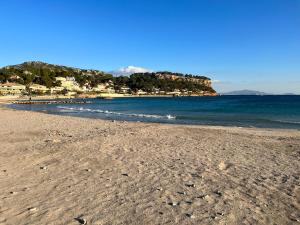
{"points": [[252, 92]]}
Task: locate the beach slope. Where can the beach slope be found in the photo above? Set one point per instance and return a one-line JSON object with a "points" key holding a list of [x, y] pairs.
{"points": [[67, 170]]}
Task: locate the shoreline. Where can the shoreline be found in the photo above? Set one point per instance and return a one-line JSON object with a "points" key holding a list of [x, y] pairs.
{"points": [[203, 126], [8, 101]]}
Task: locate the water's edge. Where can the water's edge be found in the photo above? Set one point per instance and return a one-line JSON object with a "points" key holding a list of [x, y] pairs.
{"points": [[271, 112]]}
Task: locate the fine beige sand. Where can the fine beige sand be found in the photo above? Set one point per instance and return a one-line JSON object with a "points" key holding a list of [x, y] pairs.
{"points": [[67, 170]]}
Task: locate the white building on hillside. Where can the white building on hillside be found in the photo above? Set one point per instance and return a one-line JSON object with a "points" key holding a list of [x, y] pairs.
{"points": [[12, 89], [69, 83], [104, 88], [39, 88]]}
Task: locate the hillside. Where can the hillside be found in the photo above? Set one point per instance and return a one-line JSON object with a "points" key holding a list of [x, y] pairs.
{"points": [[44, 74], [157, 83], [169, 81]]}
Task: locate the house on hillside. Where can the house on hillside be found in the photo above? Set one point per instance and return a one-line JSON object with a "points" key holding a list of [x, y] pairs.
{"points": [[69, 83], [104, 88], [176, 92], [141, 92], [37, 88], [124, 90], [55, 90], [12, 89]]}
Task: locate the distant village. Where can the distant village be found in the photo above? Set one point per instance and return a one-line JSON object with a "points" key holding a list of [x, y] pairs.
{"points": [[69, 87]]}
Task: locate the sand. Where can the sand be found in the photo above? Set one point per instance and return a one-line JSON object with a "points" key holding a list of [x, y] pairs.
{"points": [[68, 170]]}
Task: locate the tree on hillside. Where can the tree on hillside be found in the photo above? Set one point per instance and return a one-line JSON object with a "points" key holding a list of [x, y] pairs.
{"points": [[4, 77], [28, 79]]}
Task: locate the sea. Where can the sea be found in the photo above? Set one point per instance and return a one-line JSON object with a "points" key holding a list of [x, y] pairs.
{"points": [[272, 111]]}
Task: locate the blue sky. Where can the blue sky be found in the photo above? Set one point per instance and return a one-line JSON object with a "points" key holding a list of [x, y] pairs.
{"points": [[240, 44]]}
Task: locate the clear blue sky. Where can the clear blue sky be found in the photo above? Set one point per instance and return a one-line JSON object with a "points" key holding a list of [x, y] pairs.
{"points": [[251, 44]]}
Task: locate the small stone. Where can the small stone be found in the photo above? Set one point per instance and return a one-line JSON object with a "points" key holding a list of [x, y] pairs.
{"points": [[218, 193], [190, 185], [173, 203], [13, 192], [88, 170], [43, 167], [32, 209], [81, 221], [201, 196], [223, 166], [208, 198], [159, 189], [181, 192], [190, 215], [161, 213], [214, 217]]}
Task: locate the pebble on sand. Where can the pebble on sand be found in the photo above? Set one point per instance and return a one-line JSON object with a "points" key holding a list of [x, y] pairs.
{"points": [[81, 221], [32, 209], [190, 185], [173, 203], [208, 198], [223, 165], [43, 167], [53, 140], [190, 215]]}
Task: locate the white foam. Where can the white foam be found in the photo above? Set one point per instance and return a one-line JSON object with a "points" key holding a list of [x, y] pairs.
{"points": [[285, 121], [81, 109]]}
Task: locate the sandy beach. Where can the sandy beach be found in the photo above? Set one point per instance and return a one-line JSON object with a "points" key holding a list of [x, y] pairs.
{"points": [[68, 170]]}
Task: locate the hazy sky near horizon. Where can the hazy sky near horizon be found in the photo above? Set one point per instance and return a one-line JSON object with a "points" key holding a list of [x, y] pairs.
{"points": [[240, 44]]}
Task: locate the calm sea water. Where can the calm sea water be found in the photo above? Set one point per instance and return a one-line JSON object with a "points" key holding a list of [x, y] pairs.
{"points": [[244, 111]]}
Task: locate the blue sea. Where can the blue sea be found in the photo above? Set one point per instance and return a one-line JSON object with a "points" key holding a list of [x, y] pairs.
{"points": [[241, 111]]}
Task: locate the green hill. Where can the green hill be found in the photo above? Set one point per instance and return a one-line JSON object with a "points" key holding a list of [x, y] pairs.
{"points": [[45, 74]]}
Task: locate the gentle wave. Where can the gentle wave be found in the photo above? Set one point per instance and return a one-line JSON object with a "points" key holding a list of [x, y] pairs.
{"points": [[285, 121], [81, 109]]}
